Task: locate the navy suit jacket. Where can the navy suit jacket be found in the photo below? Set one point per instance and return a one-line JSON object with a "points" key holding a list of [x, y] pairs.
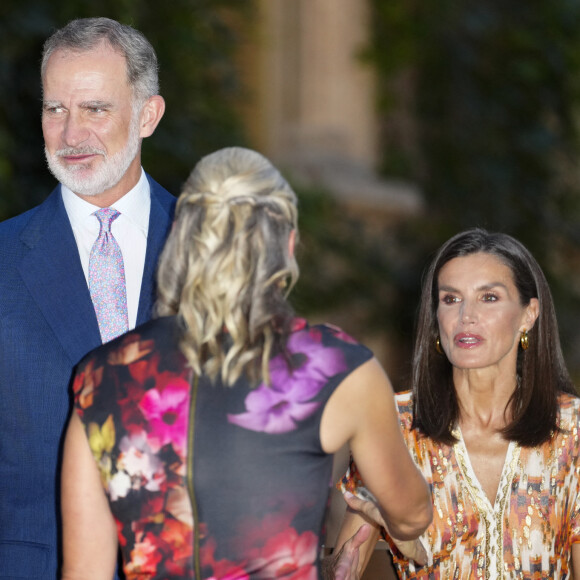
{"points": [[47, 324]]}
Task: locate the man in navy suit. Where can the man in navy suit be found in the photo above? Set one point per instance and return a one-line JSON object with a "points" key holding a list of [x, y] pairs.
{"points": [[100, 99]]}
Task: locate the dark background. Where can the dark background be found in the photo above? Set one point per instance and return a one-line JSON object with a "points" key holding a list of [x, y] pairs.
{"points": [[493, 92]]}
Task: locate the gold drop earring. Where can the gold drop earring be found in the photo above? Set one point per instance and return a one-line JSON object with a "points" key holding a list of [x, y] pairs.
{"points": [[524, 340]]}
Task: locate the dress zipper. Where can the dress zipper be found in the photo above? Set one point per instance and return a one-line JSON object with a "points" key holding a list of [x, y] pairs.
{"points": [[190, 486]]}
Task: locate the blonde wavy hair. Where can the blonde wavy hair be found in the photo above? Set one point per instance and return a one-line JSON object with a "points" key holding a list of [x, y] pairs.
{"points": [[227, 268]]}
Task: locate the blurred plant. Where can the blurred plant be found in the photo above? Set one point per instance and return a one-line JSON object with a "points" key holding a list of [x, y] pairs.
{"points": [[195, 42], [492, 92], [356, 274]]}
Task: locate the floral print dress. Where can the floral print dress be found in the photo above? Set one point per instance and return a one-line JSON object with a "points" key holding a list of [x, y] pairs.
{"points": [[207, 481], [527, 533]]}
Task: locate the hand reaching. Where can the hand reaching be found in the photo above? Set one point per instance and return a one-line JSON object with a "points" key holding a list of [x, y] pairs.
{"points": [[411, 549], [344, 564]]}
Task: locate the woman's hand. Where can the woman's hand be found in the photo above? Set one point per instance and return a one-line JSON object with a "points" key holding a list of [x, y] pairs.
{"points": [[344, 564], [411, 549]]}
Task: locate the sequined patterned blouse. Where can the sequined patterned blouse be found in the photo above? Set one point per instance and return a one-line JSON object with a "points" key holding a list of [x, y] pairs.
{"points": [[207, 481], [527, 534]]}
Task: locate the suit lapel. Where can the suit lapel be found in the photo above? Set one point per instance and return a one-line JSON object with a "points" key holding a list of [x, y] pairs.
{"points": [[53, 274], [160, 218], [52, 271]]}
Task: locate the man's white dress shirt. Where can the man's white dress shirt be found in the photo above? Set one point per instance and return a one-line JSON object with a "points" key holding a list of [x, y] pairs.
{"points": [[130, 230]]}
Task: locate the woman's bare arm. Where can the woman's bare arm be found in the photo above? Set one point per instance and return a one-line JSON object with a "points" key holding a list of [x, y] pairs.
{"points": [[89, 529], [362, 411], [575, 561]]}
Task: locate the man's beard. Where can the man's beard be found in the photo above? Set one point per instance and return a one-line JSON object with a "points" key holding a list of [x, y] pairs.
{"points": [[102, 178]]}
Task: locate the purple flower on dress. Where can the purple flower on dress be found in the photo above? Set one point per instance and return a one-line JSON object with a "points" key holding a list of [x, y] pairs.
{"points": [[278, 407]]}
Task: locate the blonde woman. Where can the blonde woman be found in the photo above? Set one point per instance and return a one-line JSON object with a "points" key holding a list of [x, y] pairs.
{"points": [[202, 441]]}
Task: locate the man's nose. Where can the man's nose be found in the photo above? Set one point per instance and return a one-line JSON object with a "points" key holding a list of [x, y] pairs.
{"points": [[75, 131]]}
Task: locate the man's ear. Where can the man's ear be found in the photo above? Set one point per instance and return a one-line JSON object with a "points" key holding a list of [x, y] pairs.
{"points": [[151, 114]]}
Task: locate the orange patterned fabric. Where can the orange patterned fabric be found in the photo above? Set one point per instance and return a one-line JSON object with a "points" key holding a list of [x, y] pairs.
{"points": [[528, 532]]}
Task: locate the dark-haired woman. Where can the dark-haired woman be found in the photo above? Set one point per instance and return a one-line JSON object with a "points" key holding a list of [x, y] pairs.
{"points": [[492, 422]]}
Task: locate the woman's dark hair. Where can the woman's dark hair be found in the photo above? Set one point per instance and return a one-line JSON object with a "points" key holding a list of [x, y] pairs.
{"points": [[541, 370]]}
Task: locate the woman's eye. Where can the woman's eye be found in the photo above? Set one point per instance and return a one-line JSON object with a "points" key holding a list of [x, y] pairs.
{"points": [[449, 299], [489, 297]]}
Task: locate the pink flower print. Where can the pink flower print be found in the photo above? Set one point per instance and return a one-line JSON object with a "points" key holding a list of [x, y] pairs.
{"points": [[167, 413], [177, 540], [219, 569], [137, 467], [339, 333], [288, 555], [311, 365], [272, 411], [145, 556], [139, 461], [277, 408], [298, 324], [254, 530]]}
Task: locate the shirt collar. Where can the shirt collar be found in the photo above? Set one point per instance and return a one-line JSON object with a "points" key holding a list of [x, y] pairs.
{"points": [[134, 205]]}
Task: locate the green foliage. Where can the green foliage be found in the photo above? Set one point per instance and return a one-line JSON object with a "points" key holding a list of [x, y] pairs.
{"points": [[195, 41], [495, 91], [358, 274], [333, 274]]}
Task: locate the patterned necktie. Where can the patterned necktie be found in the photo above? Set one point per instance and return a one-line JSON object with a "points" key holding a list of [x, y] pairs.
{"points": [[107, 279]]}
